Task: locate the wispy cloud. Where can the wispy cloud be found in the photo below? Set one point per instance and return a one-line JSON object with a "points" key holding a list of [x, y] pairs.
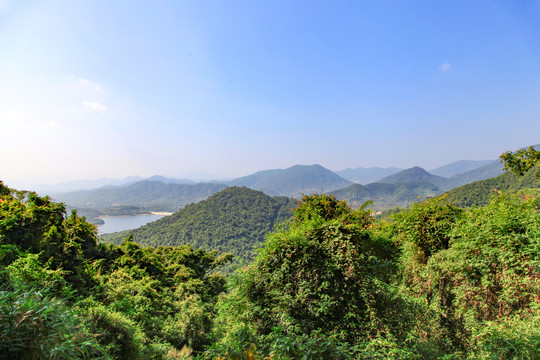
{"points": [[93, 106], [445, 67], [89, 84]]}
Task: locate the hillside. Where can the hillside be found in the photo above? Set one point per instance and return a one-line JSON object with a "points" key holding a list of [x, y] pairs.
{"points": [[234, 220], [490, 170], [479, 193], [418, 174], [387, 195], [367, 175], [458, 167], [151, 195], [293, 181]]}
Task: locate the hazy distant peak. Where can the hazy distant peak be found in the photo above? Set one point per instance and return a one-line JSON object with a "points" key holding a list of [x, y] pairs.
{"points": [[415, 174], [293, 181], [367, 175], [459, 167]]}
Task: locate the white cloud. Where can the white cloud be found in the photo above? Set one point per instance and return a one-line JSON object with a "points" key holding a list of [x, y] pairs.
{"points": [[93, 106], [445, 67], [89, 84]]}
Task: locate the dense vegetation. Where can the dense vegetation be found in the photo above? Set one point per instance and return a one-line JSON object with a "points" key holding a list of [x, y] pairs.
{"points": [[435, 281], [64, 296], [234, 220]]}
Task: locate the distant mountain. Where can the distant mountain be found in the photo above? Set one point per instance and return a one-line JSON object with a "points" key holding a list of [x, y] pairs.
{"points": [[418, 174], [490, 170], [152, 195], [478, 193], [233, 220], [167, 180], [69, 186], [387, 195], [458, 167], [203, 176], [293, 181], [367, 175]]}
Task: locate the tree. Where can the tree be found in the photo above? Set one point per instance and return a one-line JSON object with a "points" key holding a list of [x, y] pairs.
{"points": [[521, 161], [325, 272]]}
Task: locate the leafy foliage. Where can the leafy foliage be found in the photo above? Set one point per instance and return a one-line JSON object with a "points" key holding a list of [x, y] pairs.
{"points": [[521, 161], [64, 295], [37, 326]]}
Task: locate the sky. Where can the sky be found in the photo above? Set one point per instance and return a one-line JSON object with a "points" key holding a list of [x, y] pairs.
{"points": [[100, 88]]}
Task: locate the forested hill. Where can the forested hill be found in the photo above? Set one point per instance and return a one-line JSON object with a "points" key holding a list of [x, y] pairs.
{"points": [[479, 192], [293, 181], [234, 220]]}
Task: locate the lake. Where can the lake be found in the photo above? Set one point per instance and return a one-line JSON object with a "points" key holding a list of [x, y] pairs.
{"points": [[121, 223]]}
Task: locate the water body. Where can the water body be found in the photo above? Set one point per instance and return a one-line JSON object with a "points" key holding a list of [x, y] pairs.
{"points": [[121, 223]]}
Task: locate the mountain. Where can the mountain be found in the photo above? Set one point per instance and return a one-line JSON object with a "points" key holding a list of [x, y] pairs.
{"points": [[203, 176], [293, 181], [418, 174], [151, 195], [167, 180], [478, 193], [367, 175], [70, 186], [458, 167], [490, 170], [387, 195], [235, 220]]}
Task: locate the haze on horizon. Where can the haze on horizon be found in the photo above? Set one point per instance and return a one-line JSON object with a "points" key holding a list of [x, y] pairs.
{"points": [[94, 88]]}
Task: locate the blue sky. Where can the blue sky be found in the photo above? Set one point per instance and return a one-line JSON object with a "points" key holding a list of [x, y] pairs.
{"points": [[95, 88]]}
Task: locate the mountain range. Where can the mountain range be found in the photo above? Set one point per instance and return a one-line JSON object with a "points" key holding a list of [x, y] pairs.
{"points": [[160, 193]]}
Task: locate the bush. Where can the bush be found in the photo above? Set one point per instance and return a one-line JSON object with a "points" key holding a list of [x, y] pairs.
{"points": [[36, 326]]}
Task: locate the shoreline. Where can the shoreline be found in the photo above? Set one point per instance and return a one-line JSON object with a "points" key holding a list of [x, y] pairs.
{"points": [[164, 213]]}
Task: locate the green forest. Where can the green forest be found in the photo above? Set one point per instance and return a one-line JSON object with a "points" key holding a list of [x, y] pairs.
{"points": [[235, 220], [434, 281]]}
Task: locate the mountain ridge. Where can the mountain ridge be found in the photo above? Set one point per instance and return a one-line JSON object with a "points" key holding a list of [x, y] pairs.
{"points": [[293, 181]]}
